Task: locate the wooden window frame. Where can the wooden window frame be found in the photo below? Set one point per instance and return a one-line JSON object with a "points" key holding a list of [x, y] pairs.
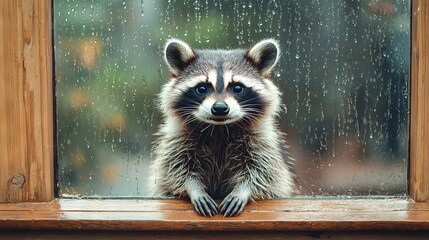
{"points": [[27, 199]]}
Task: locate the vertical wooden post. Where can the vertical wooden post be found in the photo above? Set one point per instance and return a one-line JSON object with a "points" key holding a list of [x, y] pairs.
{"points": [[26, 101], [419, 137]]}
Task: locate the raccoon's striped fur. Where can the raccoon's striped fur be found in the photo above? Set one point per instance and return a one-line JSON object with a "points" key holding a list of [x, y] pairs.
{"points": [[219, 138]]}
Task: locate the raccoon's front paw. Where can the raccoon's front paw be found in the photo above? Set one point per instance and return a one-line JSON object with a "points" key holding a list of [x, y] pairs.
{"points": [[232, 205], [205, 205]]}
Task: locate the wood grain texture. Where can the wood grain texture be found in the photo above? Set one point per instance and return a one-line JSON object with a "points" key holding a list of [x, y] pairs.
{"points": [[419, 136], [178, 215], [208, 235], [26, 101]]}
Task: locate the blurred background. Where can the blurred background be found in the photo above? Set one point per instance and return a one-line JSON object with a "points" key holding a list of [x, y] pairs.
{"points": [[344, 73]]}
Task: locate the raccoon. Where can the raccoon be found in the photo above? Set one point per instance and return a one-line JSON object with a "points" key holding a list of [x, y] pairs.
{"points": [[219, 138]]}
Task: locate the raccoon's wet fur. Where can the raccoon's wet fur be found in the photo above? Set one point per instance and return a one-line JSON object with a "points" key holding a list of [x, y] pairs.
{"points": [[219, 138]]}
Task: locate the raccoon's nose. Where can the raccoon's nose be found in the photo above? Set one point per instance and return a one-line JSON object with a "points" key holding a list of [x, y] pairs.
{"points": [[220, 109]]}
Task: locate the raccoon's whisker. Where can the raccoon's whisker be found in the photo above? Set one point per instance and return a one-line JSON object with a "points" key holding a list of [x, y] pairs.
{"points": [[252, 113], [204, 140], [208, 125], [185, 114], [211, 134], [251, 110], [251, 105], [246, 119], [227, 131], [250, 119], [191, 120], [188, 120], [187, 117], [195, 105], [192, 102], [186, 109], [248, 100], [250, 116]]}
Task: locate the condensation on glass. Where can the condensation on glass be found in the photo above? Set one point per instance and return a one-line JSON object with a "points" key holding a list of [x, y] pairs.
{"points": [[344, 73]]}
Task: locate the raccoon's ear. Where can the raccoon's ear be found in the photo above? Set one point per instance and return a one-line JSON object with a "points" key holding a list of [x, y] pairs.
{"points": [[178, 55], [264, 55]]}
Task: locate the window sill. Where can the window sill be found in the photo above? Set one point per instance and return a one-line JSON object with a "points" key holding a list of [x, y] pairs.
{"points": [[178, 215]]}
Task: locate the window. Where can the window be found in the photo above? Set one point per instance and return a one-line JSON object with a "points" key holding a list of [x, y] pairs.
{"points": [[26, 159], [344, 73]]}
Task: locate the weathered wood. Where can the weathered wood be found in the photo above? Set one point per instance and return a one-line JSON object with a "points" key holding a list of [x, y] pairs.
{"points": [[26, 101], [174, 205], [178, 215], [204, 235], [419, 132]]}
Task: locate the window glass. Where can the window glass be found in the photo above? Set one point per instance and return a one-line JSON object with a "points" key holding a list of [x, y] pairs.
{"points": [[344, 73]]}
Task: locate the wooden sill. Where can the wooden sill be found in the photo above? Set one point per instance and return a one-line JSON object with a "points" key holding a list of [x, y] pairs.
{"points": [[178, 215]]}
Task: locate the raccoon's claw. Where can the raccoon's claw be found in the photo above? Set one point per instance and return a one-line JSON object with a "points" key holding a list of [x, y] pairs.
{"points": [[205, 206], [232, 205]]}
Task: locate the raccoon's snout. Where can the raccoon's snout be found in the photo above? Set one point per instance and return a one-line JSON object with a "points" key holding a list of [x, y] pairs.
{"points": [[220, 109]]}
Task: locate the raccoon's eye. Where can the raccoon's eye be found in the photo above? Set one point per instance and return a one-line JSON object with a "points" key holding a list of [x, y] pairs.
{"points": [[238, 88], [201, 89]]}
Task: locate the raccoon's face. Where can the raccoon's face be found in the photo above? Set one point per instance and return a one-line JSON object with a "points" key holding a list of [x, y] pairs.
{"points": [[220, 86]]}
